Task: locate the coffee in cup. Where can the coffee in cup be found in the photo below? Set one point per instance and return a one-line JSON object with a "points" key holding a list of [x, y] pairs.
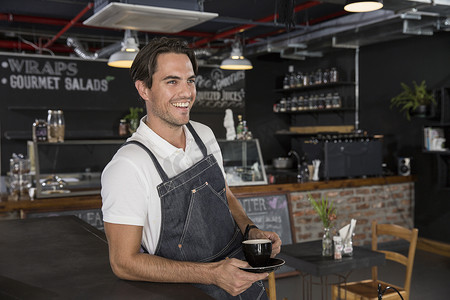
{"points": [[257, 252]]}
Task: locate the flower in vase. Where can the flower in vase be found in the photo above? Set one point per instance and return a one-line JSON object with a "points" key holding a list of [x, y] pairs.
{"points": [[325, 210]]}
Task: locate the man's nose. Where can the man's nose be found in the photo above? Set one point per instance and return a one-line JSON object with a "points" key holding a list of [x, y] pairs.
{"points": [[187, 90]]}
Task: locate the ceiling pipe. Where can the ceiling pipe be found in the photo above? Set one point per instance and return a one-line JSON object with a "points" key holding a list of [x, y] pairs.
{"points": [[242, 28], [81, 52], [310, 22], [70, 24]]}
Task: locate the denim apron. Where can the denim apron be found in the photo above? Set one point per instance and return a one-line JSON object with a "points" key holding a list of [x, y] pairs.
{"points": [[196, 222]]}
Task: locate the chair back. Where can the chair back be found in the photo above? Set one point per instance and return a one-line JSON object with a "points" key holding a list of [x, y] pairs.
{"points": [[409, 235]]}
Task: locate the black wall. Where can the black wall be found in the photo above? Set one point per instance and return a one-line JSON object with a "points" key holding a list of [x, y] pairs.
{"points": [[382, 67]]}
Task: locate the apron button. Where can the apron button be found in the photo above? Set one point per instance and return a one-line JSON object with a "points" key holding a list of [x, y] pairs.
{"points": [[206, 182], [179, 246], [193, 191]]}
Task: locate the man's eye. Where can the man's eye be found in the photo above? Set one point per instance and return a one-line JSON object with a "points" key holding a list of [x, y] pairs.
{"points": [[171, 82], [191, 80]]}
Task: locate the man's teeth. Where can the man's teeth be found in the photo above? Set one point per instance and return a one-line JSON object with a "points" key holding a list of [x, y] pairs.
{"points": [[181, 104]]}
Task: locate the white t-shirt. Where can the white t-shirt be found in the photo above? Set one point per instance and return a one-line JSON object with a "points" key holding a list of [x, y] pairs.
{"points": [[129, 181]]}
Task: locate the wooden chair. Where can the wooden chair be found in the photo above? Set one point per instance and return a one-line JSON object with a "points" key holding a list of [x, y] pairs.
{"points": [[271, 290], [368, 289]]}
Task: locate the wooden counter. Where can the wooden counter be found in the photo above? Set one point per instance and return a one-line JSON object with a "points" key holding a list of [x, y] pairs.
{"points": [[95, 202]]}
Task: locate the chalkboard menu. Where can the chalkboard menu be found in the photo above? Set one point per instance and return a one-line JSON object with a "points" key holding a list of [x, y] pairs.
{"points": [[271, 213]]}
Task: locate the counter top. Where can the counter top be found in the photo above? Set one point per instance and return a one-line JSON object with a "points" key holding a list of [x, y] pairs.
{"points": [[94, 201], [66, 258]]}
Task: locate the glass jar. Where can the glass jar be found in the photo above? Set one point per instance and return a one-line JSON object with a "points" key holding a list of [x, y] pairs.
{"points": [[61, 126], [52, 124], [39, 130], [327, 243], [124, 128]]}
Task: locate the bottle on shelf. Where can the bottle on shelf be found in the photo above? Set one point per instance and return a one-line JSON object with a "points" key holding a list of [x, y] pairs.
{"points": [[306, 81], [334, 75], [329, 101], [292, 78], [239, 128], [61, 128], [326, 76], [283, 105], [286, 81], [337, 102], [318, 77], [244, 130], [299, 79], [294, 104]]}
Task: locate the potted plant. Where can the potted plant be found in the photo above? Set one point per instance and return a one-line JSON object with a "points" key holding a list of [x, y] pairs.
{"points": [[413, 101], [327, 214], [133, 118]]}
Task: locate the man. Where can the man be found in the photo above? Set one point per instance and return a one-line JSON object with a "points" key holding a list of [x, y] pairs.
{"points": [[165, 189]]}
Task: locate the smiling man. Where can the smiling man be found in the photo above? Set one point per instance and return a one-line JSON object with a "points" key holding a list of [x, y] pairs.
{"points": [[169, 214]]}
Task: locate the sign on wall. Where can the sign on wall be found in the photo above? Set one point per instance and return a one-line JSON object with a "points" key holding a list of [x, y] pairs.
{"points": [[217, 88]]}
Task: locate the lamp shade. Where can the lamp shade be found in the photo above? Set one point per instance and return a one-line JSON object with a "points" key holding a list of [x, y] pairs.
{"points": [[122, 59], [363, 6], [236, 61], [240, 63]]}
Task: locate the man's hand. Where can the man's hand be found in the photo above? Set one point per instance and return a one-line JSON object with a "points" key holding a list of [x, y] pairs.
{"points": [[256, 233], [234, 280]]}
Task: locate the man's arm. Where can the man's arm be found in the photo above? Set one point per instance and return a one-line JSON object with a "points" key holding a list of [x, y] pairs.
{"points": [[128, 263], [242, 220]]}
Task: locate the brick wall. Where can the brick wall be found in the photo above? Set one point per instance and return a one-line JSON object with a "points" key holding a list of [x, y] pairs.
{"points": [[390, 203]]}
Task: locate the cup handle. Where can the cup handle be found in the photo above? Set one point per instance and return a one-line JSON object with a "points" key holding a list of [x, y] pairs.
{"points": [[247, 230]]}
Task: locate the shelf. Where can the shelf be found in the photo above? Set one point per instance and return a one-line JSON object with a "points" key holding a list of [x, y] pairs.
{"points": [[440, 152], [25, 135], [323, 110], [315, 87]]}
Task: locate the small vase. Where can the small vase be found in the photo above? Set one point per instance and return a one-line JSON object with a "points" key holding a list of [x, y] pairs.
{"points": [[327, 242]]}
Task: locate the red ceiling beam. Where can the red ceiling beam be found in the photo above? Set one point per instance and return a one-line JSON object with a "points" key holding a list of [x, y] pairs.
{"points": [[70, 24], [24, 46], [242, 28]]}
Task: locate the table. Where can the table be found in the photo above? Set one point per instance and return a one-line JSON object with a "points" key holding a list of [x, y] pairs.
{"points": [[66, 258], [307, 258]]}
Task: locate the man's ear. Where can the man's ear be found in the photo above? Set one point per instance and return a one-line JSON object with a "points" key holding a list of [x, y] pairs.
{"points": [[142, 89]]}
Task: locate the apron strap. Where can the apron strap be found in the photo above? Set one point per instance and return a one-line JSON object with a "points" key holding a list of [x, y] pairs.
{"points": [[197, 139], [160, 170]]}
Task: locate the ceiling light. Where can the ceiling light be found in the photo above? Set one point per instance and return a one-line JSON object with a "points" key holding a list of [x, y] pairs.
{"points": [[124, 58], [236, 61], [363, 6]]}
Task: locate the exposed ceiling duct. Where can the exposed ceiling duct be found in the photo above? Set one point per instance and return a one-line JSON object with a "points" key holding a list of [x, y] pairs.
{"points": [[83, 53]]}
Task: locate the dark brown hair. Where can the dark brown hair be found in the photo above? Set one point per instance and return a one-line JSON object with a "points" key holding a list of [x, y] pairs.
{"points": [[144, 65]]}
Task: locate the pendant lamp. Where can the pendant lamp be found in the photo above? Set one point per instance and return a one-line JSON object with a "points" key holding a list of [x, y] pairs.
{"points": [[236, 61], [363, 5], [124, 58]]}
